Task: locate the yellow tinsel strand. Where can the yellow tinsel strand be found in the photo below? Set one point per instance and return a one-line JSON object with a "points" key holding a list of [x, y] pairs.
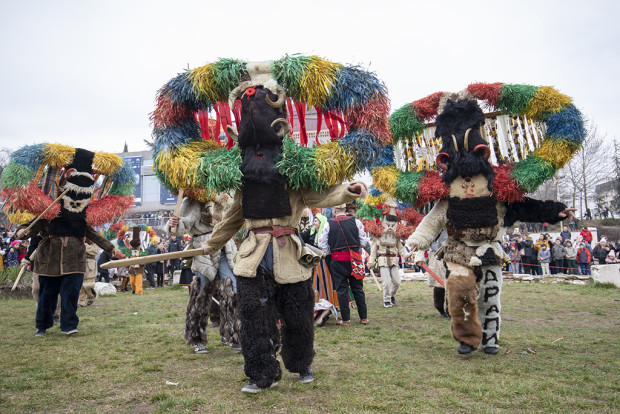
{"points": [[203, 79], [318, 79], [546, 100], [20, 217], [106, 163], [58, 155], [178, 165], [384, 178], [334, 163], [556, 152], [373, 201]]}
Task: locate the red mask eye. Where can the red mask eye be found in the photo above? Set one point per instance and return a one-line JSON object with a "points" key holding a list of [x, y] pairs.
{"points": [[483, 150], [442, 159], [250, 91]]}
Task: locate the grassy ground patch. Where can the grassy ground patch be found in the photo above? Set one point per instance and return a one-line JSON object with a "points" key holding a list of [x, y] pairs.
{"points": [[404, 361]]}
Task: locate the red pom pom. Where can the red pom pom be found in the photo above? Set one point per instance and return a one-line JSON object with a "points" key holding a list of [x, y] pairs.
{"points": [[370, 226], [168, 113], [427, 108], [506, 188], [31, 199], [412, 217], [107, 209], [431, 188], [403, 232], [488, 92]]}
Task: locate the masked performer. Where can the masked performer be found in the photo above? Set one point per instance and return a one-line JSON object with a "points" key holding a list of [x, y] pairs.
{"points": [[198, 220], [385, 250], [60, 259], [273, 178], [475, 221], [136, 272]]}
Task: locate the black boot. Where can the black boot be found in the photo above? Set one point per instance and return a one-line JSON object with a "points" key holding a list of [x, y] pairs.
{"points": [[465, 349], [439, 298]]}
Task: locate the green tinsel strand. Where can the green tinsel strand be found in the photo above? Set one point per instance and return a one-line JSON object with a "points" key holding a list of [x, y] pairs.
{"points": [[407, 186], [404, 123], [122, 190], [126, 251], [219, 170], [289, 72], [163, 179], [16, 175], [532, 172], [368, 212], [360, 203], [514, 99], [298, 165], [228, 73]]}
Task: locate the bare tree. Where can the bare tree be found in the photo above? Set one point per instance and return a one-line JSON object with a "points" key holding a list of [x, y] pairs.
{"points": [[5, 154], [590, 166]]}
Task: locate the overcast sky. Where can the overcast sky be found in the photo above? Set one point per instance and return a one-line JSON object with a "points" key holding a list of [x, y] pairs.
{"points": [[85, 73]]}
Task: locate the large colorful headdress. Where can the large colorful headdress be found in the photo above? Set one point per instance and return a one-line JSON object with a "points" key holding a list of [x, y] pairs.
{"points": [[531, 132], [30, 182], [350, 101]]}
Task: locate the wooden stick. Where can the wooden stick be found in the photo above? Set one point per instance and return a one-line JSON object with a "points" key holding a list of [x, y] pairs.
{"points": [[177, 209], [152, 258], [376, 280], [559, 339], [19, 276], [46, 210]]}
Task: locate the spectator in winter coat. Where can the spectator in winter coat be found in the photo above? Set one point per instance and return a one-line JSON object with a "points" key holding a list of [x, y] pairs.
{"points": [[558, 254], [601, 251], [565, 234], [584, 258], [587, 235], [571, 258], [11, 257], [529, 256], [544, 257], [611, 258], [515, 259]]}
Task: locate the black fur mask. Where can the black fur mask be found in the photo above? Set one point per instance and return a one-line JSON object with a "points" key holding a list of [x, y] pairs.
{"points": [[456, 118]]}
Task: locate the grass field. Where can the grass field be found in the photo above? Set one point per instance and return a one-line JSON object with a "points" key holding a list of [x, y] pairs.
{"points": [[404, 361]]}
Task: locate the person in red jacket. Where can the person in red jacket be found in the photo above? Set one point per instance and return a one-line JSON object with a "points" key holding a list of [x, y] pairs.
{"points": [[587, 235], [584, 258]]}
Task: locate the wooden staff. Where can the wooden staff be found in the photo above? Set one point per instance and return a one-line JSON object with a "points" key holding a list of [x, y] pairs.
{"points": [[46, 210], [152, 258], [177, 209], [376, 280], [19, 276]]}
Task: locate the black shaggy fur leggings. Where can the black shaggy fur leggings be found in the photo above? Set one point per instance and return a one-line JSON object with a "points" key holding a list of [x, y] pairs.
{"points": [[261, 301]]}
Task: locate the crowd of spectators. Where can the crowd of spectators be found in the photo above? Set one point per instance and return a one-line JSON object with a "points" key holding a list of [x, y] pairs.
{"points": [[567, 254]]}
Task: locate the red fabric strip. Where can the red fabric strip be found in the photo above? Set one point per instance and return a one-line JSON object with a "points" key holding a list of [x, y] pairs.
{"points": [[319, 121], [300, 108]]}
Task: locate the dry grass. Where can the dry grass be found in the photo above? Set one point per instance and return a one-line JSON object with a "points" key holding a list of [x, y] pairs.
{"points": [[405, 361]]}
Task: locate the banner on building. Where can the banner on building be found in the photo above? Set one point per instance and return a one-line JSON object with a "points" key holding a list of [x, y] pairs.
{"points": [[166, 197], [136, 165]]}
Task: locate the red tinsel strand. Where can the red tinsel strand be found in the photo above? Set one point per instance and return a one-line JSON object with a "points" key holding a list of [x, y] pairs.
{"points": [[488, 92], [107, 209], [370, 226], [506, 188], [373, 117], [118, 226], [427, 108], [167, 113], [31, 199], [431, 188]]}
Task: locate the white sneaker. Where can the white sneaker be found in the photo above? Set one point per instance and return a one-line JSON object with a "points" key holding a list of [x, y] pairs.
{"points": [[71, 332], [200, 349]]}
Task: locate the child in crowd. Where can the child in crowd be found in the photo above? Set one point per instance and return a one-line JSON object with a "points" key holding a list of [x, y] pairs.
{"points": [[544, 257]]}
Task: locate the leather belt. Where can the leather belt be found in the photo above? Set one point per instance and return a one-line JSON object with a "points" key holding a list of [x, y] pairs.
{"points": [[276, 231]]}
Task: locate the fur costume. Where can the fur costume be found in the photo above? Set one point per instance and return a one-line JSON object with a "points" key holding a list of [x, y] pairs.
{"points": [[198, 219], [475, 222], [271, 279], [385, 249]]}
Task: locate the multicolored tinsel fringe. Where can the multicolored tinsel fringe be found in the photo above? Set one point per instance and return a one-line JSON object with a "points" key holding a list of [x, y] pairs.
{"points": [[348, 91], [564, 123], [31, 166]]}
